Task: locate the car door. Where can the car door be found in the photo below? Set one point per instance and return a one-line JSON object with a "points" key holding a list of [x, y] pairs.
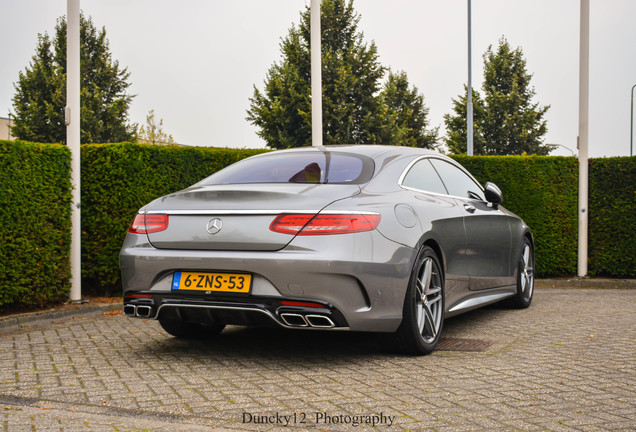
{"points": [[442, 217], [488, 237]]}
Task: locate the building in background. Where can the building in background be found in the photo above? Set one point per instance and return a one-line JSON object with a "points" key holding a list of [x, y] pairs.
{"points": [[5, 129]]}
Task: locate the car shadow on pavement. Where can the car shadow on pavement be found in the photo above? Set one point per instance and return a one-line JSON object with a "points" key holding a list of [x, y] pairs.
{"points": [[250, 342], [258, 342]]}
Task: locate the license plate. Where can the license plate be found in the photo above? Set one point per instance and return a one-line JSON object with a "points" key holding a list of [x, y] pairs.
{"points": [[213, 282]]}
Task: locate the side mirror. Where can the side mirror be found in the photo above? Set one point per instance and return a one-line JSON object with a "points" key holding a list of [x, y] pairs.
{"points": [[493, 194]]}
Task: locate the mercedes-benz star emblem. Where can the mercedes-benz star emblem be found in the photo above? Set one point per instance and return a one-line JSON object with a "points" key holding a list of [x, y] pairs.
{"points": [[214, 226]]}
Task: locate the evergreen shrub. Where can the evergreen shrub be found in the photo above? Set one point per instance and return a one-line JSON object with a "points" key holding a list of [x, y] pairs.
{"points": [[612, 217], [35, 223], [542, 190], [118, 179]]}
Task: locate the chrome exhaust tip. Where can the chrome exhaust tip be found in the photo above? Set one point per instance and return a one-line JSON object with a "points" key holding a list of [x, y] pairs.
{"points": [[294, 320], [143, 311], [130, 310], [319, 321]]}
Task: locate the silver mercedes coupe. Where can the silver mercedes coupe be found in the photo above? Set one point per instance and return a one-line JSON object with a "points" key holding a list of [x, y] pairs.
{"points": [[363, 238]]}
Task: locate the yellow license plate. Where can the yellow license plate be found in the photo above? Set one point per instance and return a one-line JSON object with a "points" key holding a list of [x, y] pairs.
{"points": [[213, 282]]}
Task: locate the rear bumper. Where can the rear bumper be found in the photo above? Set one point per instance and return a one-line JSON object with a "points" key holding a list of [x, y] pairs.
{"points": [[248, 311], [361, 280]]}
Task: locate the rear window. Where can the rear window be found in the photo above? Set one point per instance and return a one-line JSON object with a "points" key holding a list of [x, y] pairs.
{"points": [[310, 167]]}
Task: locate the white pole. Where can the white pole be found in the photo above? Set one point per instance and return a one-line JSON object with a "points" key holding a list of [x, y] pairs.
{"points": [[631, 125], [316, 75], [73, 140], [584, 83], [469, 106]]}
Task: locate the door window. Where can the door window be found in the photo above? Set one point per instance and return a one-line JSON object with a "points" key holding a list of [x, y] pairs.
{"points": [[457, 181], [422, 176]]}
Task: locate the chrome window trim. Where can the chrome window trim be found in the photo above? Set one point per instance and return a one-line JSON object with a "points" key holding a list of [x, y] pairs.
{"points": [[452, 162]]}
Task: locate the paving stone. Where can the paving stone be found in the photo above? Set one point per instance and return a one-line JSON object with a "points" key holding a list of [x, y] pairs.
{"points": [[565, 364]]}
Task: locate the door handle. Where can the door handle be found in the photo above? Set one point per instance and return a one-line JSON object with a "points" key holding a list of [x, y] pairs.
{"points": [[469, 208]]}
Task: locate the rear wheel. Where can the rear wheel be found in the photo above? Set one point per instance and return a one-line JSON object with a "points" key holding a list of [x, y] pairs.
{"points": [[423, 314], [182, 330], [525, 276]]}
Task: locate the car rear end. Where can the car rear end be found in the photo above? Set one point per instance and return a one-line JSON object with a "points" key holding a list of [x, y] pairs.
{"points": [[269, 253]]}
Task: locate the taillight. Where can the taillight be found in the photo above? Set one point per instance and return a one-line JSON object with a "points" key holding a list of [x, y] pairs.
{"points": [[323, 224], [148, 223]]}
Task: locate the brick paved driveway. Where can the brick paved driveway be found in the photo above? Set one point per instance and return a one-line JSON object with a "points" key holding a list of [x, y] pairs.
{"points": [[567, 363]]}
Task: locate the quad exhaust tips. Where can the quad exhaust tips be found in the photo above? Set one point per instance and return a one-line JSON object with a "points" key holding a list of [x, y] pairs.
{"points": [[140, 311], [287, 319], [315, 321]]}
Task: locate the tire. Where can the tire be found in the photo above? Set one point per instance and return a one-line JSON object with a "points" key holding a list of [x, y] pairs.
{"points": [[525, 276], [423, 313], [182, 330]]}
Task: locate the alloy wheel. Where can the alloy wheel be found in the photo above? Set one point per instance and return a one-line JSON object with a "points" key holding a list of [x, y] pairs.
{"points": [[527, 272], [428, 301]]}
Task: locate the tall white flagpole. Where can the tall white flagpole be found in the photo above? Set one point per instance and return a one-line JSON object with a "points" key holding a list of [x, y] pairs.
{"points": [[316, 74], [469, 104], [584, 84], [72, 118]]}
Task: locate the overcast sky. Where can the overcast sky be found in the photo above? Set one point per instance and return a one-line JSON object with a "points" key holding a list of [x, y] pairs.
{"points": [[195, 61]]}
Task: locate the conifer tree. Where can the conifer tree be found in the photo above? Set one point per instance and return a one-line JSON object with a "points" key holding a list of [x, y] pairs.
{"points": [[406, 116], [354, 111], [40, 95], [506, 120]]}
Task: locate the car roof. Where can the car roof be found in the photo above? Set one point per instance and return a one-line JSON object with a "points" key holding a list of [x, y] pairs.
{"points": [[369, 150]]}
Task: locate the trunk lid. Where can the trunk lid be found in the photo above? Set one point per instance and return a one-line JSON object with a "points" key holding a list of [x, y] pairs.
{"points": [[237, 217]]}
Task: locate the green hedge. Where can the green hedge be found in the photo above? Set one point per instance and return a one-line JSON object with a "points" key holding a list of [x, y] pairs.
{"points": [[612, 195], [35, 212], [117, 179], [543, 191]]}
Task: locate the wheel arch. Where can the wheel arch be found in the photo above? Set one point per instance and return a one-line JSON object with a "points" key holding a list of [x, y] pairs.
{"points": [[431, 242], [528, 234], [519, 231], [438, 251]]}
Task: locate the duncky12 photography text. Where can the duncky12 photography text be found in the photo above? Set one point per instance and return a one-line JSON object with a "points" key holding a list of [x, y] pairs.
{"points": [[319, 417]]}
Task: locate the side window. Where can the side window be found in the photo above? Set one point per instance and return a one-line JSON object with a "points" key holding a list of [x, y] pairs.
{"points": [[457, 182], [422, 176]]}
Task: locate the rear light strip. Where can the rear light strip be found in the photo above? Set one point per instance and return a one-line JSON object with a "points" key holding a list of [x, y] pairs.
{"points": [[324, 224], [303, 224]]}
